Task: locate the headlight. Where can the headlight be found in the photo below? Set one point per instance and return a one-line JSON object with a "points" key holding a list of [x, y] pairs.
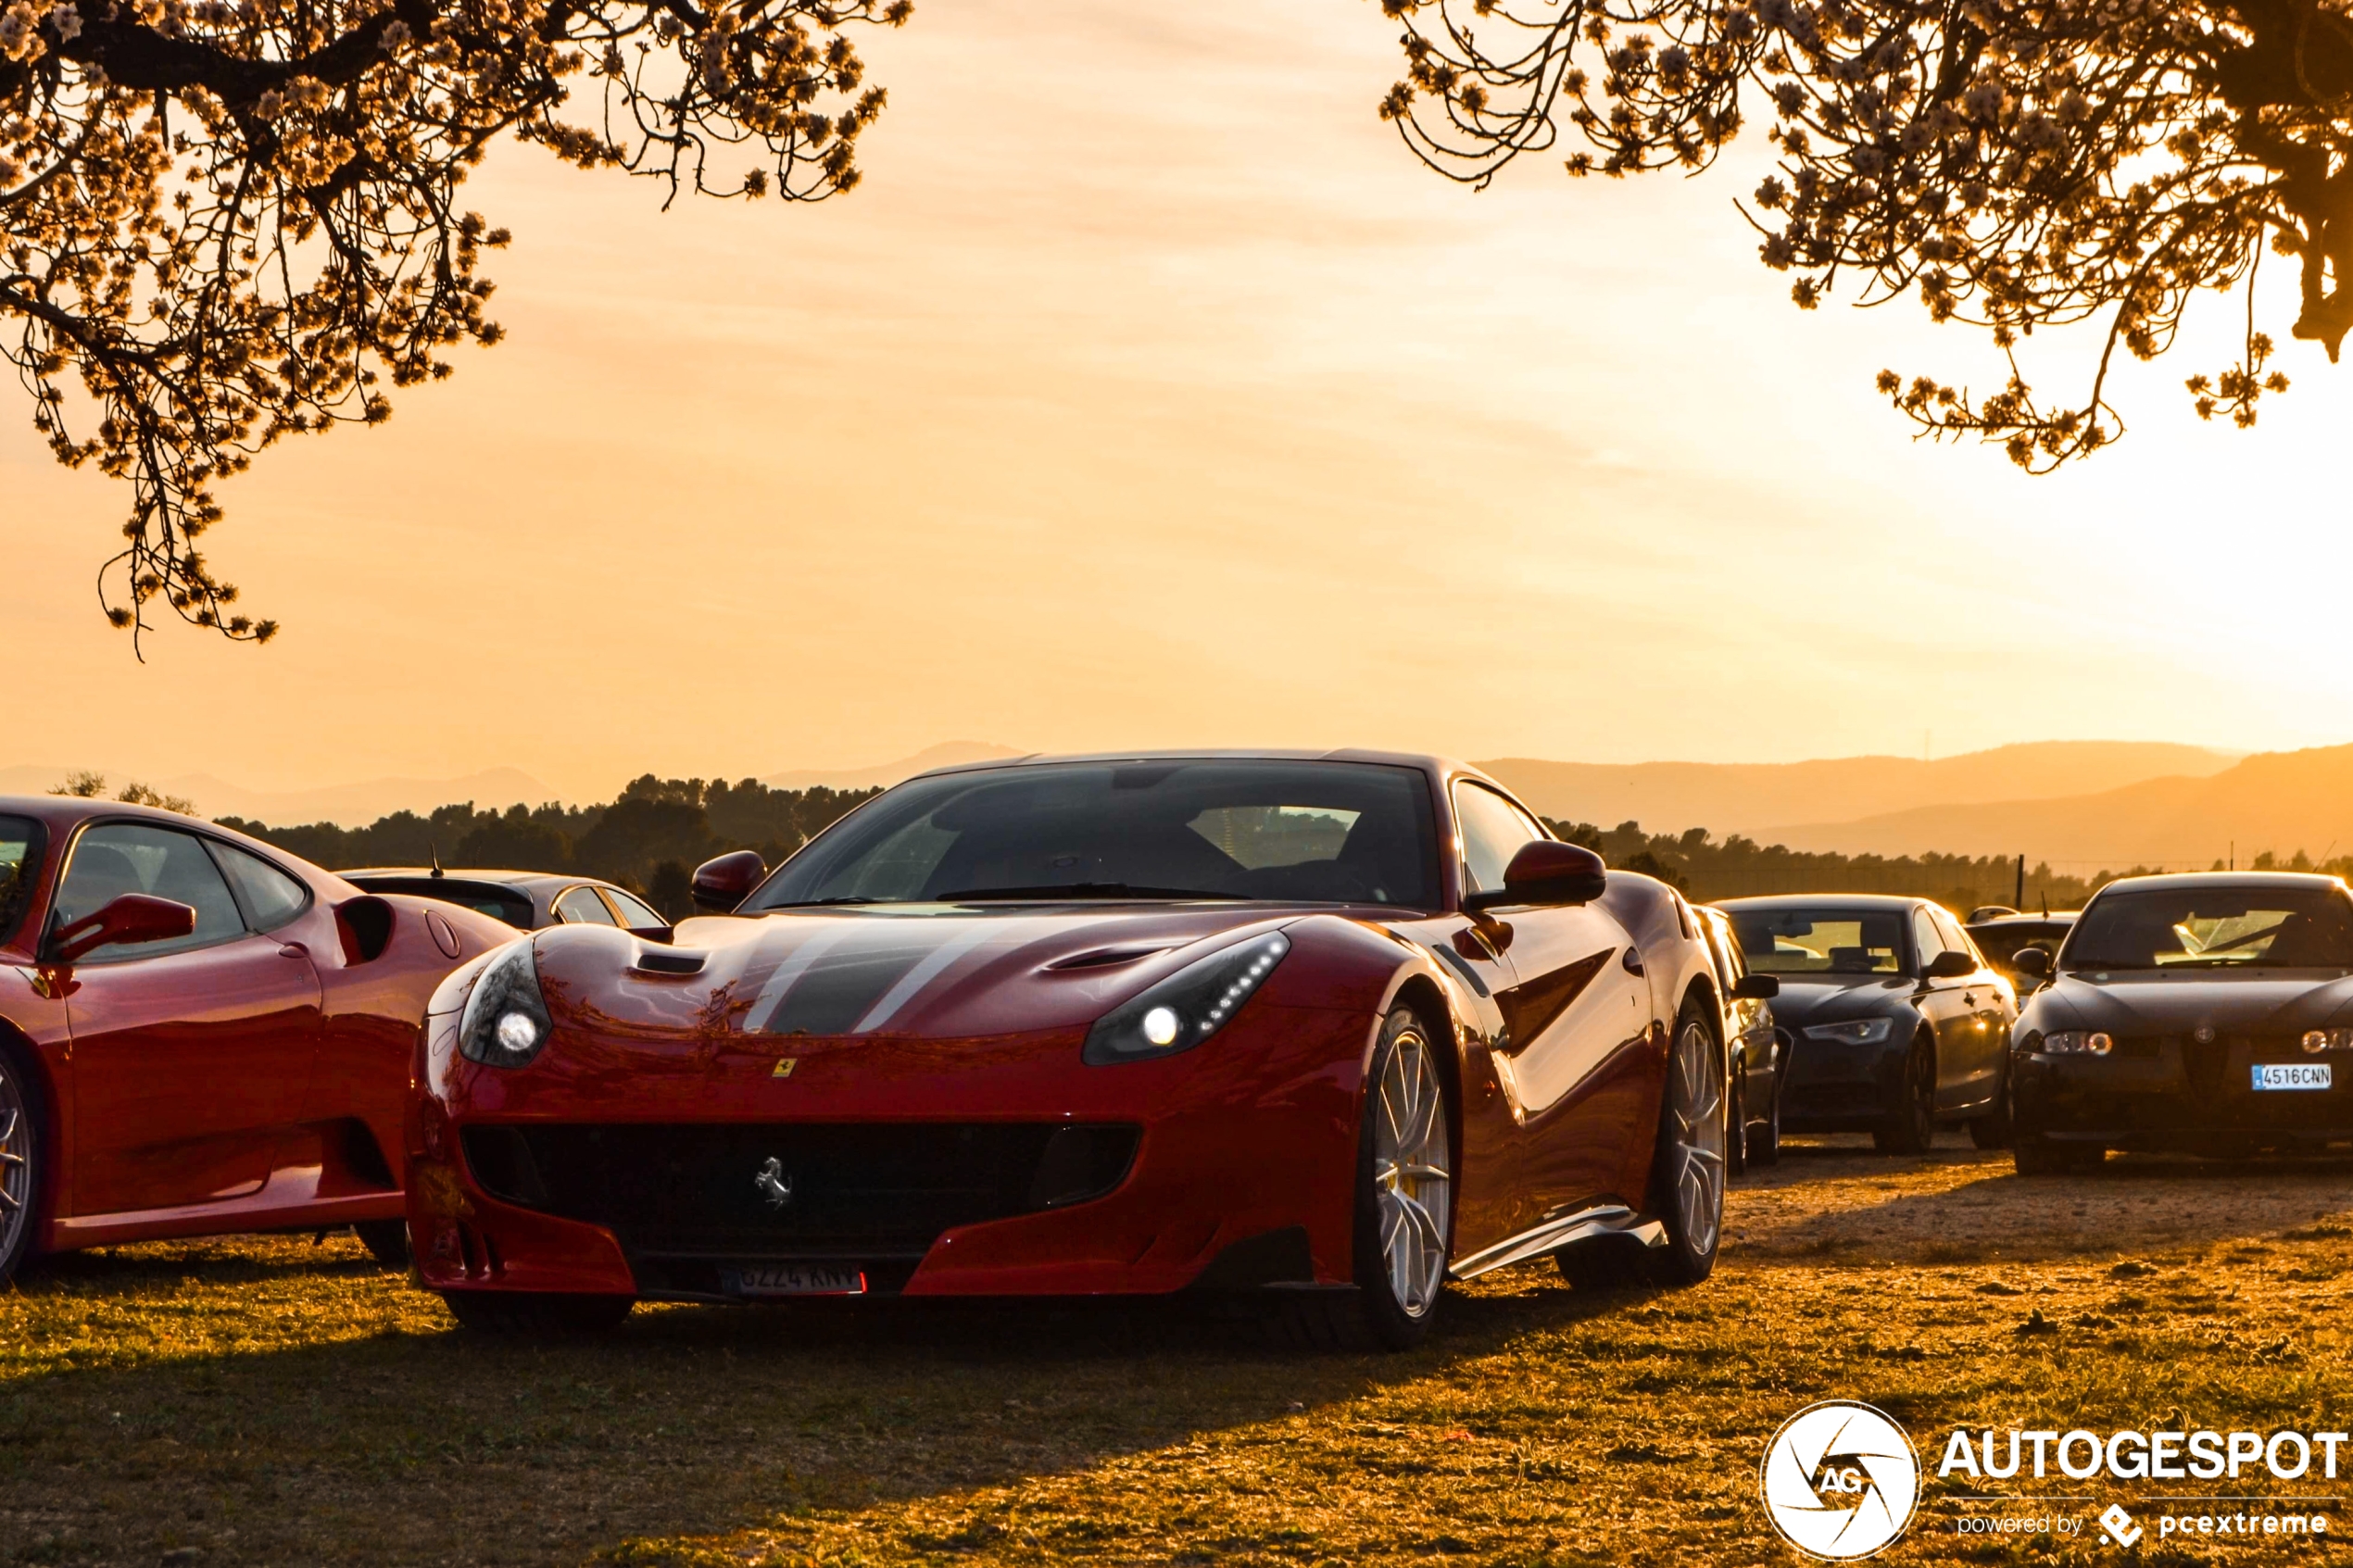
{"points": [[2071, 1042], [1188, 1007], [1861, 1032], [505, 1020], [2319, 1040]]}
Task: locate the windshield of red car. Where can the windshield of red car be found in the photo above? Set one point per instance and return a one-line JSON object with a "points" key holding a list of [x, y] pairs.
{"points": [[1311, 831], [19, 869], [2214, 927]]}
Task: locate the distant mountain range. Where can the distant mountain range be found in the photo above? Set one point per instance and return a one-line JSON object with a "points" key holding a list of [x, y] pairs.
{"points": [[2078, 804], [1756, 798], [2281, 801], [884, 774]]}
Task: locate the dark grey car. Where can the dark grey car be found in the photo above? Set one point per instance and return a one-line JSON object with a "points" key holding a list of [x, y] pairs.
{"points": [[1896, 1021]]}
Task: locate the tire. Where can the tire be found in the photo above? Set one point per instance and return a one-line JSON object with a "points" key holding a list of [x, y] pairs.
{"points": [[388, 1239], [1687, 1171], [1764, 1139], [1910, 1124], [1992, 1130], [536, 1314], [1736, 1124], [1404, 1205], [23, 1161]]}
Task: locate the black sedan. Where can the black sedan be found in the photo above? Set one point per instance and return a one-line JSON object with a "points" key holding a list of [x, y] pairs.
{"points": [[527, 900], [2205, 1013], [1898, 1022]]}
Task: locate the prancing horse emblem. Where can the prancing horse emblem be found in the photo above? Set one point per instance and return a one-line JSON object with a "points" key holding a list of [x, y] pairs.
{"points": [[774, 1184]]}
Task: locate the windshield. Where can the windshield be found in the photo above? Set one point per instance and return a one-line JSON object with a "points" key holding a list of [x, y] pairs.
{"points": [[2199, 928], [1316, 831], [1831, 942], [19, 869]]}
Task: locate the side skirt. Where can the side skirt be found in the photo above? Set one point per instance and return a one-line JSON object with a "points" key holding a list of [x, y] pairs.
{"points": [[1605, 1219]]}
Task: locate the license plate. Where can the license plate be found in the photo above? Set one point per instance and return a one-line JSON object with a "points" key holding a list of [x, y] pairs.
{"points": [[2292, 1075], [792, 1279]]}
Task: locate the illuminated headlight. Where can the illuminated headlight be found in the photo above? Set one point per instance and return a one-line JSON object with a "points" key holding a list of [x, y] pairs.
{"points": [[504, 1023], [1860, 1032], [1188, 1007], [2319, 1040], [2072, 1042]]}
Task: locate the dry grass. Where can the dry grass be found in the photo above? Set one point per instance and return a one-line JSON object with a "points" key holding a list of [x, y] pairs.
{"points": [[264, 1400]]}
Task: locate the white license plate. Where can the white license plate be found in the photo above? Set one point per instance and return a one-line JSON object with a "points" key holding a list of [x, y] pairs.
{"points": [[2291, 1074], [792, 1279]]}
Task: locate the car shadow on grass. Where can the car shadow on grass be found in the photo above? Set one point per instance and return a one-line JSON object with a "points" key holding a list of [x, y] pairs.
{"points": [[256, 1401]]}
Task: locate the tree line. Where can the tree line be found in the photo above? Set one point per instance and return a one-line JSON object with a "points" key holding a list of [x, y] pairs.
{"points": [[649, 840], [1706, 868]]}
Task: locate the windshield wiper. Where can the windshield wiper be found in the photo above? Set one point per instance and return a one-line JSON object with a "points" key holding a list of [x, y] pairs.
{"points": [[1075, 890], [821, 903]]}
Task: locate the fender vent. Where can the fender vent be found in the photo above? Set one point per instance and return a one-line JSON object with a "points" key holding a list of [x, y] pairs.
{"points": [[668, 960], [365, 926], [1104, 957]]}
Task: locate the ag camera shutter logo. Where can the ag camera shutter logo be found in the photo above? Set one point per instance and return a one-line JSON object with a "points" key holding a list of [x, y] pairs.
{"points": [[1840, 1480]]}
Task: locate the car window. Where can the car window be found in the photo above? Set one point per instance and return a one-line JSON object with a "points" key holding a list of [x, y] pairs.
{"points": [[635, 913], [1926, 942], [269, 896], [1224, 828], [1826, 941], [1494, 831], [20, 842], [580, 905], [117, 858], [2211, 926], [1949, 933]]}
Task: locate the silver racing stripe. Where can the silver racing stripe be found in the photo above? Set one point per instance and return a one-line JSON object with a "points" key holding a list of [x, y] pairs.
{"points": [[948, 952], [795, 964]]}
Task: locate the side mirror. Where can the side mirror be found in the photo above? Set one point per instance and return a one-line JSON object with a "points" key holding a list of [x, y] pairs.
{"points": [[2034, 963], [1756, 987], [1544, 873], [134, 917], [720, 884], [1950, 965]]}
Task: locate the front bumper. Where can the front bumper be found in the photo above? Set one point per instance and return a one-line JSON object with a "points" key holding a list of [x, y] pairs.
{"points": [[1834, 1087], [991, 1167], [2173, 1094]]}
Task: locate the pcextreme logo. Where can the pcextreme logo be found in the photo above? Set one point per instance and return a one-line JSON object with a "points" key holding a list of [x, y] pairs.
{"points": [[1840, 1480]]}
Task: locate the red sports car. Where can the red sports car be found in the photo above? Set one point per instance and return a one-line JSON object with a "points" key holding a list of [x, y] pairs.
{"points": [[1330, 1029], [199, 1034]]}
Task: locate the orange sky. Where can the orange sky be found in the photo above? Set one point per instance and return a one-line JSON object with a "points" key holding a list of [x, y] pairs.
{"points": [[1148, 393]]}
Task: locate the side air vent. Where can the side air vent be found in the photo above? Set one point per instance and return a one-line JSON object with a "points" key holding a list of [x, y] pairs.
{"points": [[668, 960], [365, 926]]}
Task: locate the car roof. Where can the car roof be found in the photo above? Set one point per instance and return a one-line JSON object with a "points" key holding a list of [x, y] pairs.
{"points": [[2165, 881], [2001, 922], [1819, 901], [1213, 754]]}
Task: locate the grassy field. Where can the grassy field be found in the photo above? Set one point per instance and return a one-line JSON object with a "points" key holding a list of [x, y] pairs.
{"points": [[266, 1400]]}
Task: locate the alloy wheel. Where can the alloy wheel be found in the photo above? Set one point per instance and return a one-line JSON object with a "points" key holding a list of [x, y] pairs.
{"points": [[1412, 1173], [15, 1161], [1696, 1134]]}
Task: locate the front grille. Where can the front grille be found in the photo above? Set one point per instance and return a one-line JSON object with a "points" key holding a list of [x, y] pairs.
{"points": [[857, 1191]]}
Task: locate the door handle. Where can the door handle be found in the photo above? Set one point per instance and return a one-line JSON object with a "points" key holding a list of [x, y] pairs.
{"points": [[294, 950]]}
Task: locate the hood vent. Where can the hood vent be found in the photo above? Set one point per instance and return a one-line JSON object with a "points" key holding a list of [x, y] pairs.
{"points": [[1105, 957], [668, 961]]}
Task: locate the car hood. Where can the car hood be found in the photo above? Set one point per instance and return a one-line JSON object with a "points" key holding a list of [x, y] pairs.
{"points": [[2131, 1002], [1802, 1002], [904, 970]]}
